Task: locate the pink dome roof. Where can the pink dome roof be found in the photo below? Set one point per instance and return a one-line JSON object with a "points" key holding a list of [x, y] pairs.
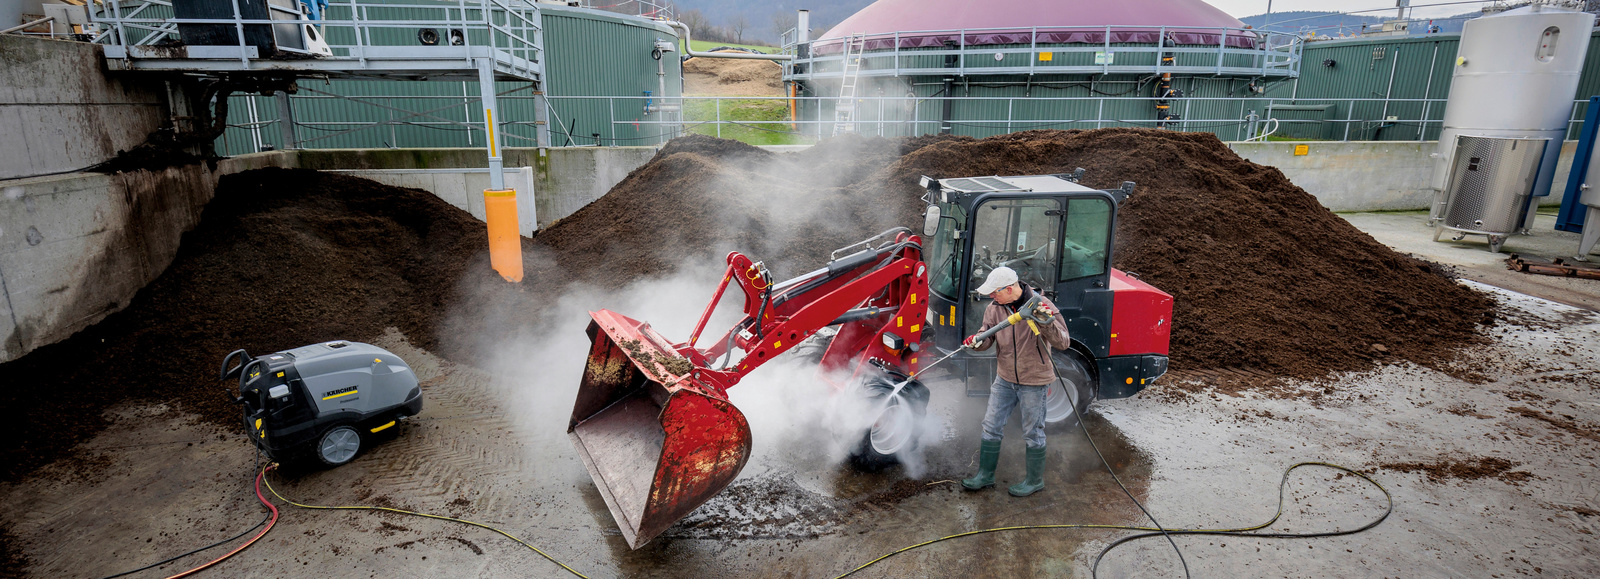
{"points": [[1065, 20]]}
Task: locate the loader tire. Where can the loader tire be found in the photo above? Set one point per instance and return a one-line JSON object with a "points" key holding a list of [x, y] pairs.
{"points": [[1073, 389], [907, 411]]}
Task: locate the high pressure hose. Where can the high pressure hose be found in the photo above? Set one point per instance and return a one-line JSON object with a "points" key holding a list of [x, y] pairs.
{"points": [[274, 521], [427, 516], [1162, 532]]}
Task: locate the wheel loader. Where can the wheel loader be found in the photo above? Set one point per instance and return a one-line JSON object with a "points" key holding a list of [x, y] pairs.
{"points": [[652, 421]]}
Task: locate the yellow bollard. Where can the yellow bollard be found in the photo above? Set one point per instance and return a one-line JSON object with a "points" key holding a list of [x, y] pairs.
{"points": [[505, 242]]}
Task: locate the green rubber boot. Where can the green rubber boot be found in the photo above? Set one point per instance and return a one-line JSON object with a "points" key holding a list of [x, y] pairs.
{"points": [[988, 458], [1035, 480]]}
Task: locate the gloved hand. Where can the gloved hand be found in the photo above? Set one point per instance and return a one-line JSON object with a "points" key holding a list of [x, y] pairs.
{"points": [[1045, 312], [971, 342]]}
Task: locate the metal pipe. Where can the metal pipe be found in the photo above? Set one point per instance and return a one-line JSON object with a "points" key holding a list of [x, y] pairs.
{"points": [[28, 25], [687, 47]]}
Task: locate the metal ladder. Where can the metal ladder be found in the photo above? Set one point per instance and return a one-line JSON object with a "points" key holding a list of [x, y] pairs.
{"points": [[844, 112]]}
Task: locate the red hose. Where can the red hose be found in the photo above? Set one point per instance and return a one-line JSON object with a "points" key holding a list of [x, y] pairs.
{"points": [[252, 541]]}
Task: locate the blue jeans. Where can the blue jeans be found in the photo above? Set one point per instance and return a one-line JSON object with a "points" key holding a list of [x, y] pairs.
{"points": [[1005, 396]]}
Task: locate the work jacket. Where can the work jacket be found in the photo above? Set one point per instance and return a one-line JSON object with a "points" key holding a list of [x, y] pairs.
{"points": [[1024, 358]]}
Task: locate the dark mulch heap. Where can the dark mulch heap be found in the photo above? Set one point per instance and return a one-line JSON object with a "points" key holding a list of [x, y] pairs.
{"points": [[1263, 277]]}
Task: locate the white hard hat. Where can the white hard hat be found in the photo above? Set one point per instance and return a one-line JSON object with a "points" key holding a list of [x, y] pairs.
{"points": [[1001, 277]]}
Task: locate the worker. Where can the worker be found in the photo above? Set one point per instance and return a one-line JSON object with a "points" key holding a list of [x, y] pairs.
{"points": [[1024, 372]]}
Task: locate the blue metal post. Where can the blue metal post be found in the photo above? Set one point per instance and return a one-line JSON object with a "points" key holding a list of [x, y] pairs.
{"points": [[1572, 213]]}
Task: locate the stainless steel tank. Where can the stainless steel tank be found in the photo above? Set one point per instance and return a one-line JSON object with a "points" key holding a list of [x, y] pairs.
{"points": [[1515, 76], [1487, 187]]}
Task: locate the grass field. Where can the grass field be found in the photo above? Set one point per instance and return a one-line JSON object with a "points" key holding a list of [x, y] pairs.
{"points": [[743, 111]]}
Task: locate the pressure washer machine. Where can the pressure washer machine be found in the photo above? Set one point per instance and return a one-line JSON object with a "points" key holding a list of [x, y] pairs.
{"points": [[321, 401]]}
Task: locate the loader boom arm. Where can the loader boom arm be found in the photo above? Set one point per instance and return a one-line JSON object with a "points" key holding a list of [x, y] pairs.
{"points": [[652, 422], [887, 284]]}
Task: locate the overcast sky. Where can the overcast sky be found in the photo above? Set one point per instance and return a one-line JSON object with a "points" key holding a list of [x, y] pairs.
{"points": [[1242, 8]]}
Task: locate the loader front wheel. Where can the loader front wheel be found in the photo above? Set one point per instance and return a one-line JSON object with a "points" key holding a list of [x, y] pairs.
{"points": [[896, 428]]}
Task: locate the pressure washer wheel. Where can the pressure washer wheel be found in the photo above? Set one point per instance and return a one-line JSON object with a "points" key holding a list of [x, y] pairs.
{"points": [[1072, 388], [338, 445]]}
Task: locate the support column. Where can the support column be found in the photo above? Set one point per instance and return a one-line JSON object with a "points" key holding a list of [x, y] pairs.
{"points": [[491, 117], [286, 121], [541, 118], [499, 203]]}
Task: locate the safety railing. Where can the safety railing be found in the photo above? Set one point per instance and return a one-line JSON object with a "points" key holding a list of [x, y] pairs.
{"points": [[358, 31], [621, 120], [645, 8], [1056, 50]]}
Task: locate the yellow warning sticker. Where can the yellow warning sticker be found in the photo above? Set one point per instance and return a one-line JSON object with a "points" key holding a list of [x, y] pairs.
{"points": [[1046, 56], [916, 328], [913, 298], [899, 321], [280, 374], [1302, 150]]}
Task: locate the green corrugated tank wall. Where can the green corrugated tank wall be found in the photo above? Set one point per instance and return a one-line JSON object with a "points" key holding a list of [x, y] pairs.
{"points": [[588, 53], [1394, 72]]}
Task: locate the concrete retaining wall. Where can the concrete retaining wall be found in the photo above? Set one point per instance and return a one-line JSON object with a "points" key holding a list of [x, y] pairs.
{"points": [[60, 112], [76, 248], [564, 179], [463, 188], [1371, 175]]}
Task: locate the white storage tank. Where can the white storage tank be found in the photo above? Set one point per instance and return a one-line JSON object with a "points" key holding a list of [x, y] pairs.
{"points": [[1515, 76]]}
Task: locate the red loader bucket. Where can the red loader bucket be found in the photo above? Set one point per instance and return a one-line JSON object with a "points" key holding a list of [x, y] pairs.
{"points": [[656, 442]]}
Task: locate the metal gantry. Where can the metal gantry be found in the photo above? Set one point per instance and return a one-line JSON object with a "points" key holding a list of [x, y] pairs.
{"points": [[467, 40]]}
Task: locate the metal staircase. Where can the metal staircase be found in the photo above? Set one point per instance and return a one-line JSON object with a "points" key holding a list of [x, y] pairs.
{"points": [[844, 112]]}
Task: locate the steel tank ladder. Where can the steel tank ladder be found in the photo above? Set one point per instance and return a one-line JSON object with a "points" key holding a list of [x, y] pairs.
{"points": [[844, 112]]}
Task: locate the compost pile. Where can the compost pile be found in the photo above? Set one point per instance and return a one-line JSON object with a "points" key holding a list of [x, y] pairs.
{"points": [[1263, 277]]}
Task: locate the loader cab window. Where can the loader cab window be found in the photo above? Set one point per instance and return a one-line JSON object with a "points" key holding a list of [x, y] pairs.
{"points": [[945, 252], [1022, 234], [1088, 235]]}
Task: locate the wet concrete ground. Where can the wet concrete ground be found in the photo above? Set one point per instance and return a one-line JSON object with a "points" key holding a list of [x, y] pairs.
{"points": [[492, 448]]}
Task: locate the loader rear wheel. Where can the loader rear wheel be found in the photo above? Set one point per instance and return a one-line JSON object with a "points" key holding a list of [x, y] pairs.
{"points": [[338, 445], [896, 429], [1073, 388]]}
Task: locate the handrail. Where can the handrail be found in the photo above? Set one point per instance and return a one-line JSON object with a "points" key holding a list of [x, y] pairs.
{"points": [[28, 25], [689, 50], [509, 29]]}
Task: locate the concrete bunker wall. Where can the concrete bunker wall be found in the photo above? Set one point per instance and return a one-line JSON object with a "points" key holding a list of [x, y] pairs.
{"points": [[75, 248], [60, 111]]}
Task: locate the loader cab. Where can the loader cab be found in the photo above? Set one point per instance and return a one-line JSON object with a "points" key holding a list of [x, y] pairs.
{"points": [[1056, 234]]}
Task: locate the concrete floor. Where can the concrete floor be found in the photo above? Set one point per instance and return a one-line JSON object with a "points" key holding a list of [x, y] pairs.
{"points": [[491, 447], [1408, 232]]}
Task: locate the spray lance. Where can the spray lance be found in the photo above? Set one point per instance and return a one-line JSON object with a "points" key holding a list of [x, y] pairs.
{"points": [[1032, 312]]}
